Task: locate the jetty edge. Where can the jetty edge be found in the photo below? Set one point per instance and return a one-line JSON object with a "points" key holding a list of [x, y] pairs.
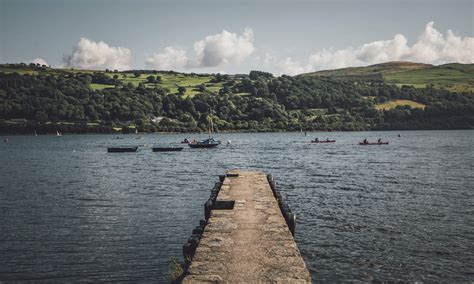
{"points": [[246, 236]]}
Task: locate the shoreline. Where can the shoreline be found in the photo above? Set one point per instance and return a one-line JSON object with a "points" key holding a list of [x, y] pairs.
{"points": [[226, 132]]}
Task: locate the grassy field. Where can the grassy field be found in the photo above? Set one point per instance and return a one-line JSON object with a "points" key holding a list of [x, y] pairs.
{"points": [[168, 81], [382, 68], [453, 77], [416, 86], [101, 86], [172, 82], [19, 71], [394, 104]]}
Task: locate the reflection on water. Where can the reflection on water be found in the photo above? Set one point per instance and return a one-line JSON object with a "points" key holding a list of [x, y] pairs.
{"points": [[71, 211]]}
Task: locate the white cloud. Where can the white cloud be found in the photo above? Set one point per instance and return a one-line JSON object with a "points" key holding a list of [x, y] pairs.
{"points": [[288, 66], [212, 51], [170, 58], [40, 61], [434, 47], [328, 59], [431, 47], [269, 57], [88, 54], [224, 48]]}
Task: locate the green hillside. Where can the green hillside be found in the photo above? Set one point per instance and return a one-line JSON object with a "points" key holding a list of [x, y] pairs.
{"points": [[170, 81], [382, 68], [454, 77], [46, 100]]}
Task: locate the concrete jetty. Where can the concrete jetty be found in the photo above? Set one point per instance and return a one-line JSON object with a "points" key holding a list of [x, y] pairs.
{"points": [[250, 242]]}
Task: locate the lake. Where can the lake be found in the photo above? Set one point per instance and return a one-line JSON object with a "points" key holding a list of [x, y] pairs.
{"points": [[70, 211]]}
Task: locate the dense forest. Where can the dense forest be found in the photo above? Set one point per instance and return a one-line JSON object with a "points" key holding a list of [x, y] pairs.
{"points": [[47, 102]]}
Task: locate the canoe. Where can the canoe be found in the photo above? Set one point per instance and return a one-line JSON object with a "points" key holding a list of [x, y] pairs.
{"points": [[167, 149], [122, 149], [323, 141], [373, 143]]}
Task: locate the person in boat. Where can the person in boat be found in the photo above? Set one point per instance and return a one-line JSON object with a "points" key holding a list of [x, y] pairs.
{"points": [[365, 141], [186, 140], [380, 140], [327, 140], [316, 139]]}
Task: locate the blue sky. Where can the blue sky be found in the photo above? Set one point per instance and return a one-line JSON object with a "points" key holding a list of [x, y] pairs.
{"points": [[234, 36]]}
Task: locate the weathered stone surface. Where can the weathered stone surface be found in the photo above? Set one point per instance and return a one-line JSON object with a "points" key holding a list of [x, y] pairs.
{"points": [[250, 243]]}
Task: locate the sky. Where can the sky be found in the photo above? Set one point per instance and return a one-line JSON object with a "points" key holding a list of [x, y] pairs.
{"points": [[233, 36]]}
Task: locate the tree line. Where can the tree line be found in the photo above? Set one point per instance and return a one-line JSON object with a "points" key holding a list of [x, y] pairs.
{"points": [[255, 102]]}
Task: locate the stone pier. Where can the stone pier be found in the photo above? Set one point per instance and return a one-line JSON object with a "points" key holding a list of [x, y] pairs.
{"points": [[250, 243]]}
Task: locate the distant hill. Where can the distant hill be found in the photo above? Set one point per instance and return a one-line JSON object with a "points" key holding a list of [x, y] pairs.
{"points": [[382, 68], [37, 98], [453, 76]]}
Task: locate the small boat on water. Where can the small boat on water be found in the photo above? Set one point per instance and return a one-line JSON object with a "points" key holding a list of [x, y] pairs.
{"points": [[373, 143], [167, 149], [58, 133], [122, 149], [323, 141], [207, 143]]}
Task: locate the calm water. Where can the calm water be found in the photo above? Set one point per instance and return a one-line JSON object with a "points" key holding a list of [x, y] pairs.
{"points": [[69, 211]]}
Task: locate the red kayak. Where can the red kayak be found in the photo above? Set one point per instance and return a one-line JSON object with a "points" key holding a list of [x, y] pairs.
{"points": [[374, 143], [323, 141]]}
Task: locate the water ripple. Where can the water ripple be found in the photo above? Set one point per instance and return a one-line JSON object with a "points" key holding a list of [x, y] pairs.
{"points": [[71, 212]]}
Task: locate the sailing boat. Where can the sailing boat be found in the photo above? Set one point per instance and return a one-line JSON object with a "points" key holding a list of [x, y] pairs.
{"points": [[209, 142], [58, 133]]}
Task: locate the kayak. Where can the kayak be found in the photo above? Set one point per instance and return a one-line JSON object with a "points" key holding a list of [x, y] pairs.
{"points": [[373, 143], [323, 141]]}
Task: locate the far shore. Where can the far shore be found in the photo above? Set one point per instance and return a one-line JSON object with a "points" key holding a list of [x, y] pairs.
{"points": [[220, 132]]}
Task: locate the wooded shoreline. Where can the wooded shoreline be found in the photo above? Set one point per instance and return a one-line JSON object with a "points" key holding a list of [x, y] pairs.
{"points": [[50, 101]]}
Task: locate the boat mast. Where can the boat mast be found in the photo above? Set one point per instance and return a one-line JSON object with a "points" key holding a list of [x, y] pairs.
{"points": [[211, 129]]}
